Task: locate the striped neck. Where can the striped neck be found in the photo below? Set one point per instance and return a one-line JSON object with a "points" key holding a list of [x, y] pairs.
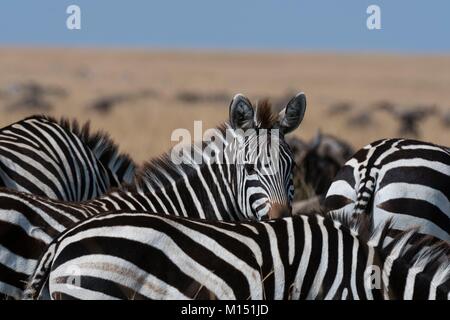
{"points": [[195, 184], [339, 259], [331, 260]]}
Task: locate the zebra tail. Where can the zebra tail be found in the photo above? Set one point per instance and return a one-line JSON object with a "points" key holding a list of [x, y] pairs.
{"points": [[38, 279], [364, 198]]}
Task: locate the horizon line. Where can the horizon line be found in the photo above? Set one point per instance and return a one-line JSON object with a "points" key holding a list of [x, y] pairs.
{"points": [[226, 50]]}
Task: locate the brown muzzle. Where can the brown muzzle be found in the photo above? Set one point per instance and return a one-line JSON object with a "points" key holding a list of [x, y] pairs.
{"points": [[279, 211]]}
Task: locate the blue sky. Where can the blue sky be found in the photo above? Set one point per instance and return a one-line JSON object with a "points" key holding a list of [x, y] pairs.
{"points": [[333, 25]]}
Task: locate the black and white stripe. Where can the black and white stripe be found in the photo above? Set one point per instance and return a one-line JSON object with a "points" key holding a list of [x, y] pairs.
{"points": [[208, 190], [60, 160], [404, 179], [147, 256]]}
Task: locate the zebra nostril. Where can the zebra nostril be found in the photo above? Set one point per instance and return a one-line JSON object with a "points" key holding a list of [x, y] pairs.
{"points": [[279, 211]]}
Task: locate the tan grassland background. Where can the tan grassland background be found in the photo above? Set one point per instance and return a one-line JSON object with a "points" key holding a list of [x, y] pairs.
{"points": [[142, 127]]}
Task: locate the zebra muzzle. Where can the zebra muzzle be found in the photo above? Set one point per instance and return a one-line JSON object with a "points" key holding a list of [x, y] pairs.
{"points": [[279, 211]]}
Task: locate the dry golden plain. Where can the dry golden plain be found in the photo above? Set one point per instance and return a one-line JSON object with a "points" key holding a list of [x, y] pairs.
{"points": [[143, 127]]}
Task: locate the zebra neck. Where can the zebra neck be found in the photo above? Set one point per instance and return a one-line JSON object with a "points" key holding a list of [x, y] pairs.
{"points": [[202, 192], [198, 184], [329, 261]]}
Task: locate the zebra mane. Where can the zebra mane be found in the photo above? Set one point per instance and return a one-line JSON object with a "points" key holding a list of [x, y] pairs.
{"points": [[361, 226], [156, 170], [408, 248], [100, 143], [408, 244], [430, 258], [265, 118], [428, 251], [409, 251]]}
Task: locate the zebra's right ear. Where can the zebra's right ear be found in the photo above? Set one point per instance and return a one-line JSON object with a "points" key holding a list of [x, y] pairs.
{"points": [[241, 113]]}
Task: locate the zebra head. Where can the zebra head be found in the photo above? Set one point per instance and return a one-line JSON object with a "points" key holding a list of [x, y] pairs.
{"points": [[263, 170]]}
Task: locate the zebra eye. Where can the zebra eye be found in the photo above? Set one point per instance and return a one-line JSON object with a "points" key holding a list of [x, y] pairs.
{"points": [[250, 168]]}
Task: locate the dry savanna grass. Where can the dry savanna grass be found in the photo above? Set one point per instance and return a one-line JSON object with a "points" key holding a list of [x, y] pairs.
{"points": [[143, 126]]}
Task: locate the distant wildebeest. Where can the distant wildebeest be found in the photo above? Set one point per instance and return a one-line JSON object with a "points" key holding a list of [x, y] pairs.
{"points": [[409, 118], [105, 104], [317, 163], [33, 96]]}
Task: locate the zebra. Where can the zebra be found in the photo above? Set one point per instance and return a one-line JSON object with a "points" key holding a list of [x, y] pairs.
{"points": [[401, 178], [122, 255], [232, 190], [60, 159]]}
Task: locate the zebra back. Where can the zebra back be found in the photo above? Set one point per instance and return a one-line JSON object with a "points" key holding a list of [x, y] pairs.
{"points": [[60, 159], [141, 256], [121, 166]]}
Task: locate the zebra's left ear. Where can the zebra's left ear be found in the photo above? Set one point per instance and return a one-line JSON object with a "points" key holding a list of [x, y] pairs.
{"points": [[292, 115]]}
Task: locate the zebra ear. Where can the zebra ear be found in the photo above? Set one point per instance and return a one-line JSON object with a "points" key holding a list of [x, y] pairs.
{"points": [[292, 115], [241, 113]]}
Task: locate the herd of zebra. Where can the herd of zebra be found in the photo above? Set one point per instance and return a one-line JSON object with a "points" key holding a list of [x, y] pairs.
{"points": [[78, 220]]}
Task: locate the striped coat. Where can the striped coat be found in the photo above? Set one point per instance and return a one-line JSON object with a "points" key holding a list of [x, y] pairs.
{"points": [[403, 179], [60, 160], [145, 256]]}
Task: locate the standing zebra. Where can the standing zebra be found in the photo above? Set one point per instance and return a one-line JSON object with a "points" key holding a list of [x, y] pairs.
{"points": [[405, 179], [237, 188], [148, 256], [60, 160]]}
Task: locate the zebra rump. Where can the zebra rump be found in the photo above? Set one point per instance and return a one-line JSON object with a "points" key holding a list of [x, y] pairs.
{"points": [[146, 256], [404, 178], [60, 159]]}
